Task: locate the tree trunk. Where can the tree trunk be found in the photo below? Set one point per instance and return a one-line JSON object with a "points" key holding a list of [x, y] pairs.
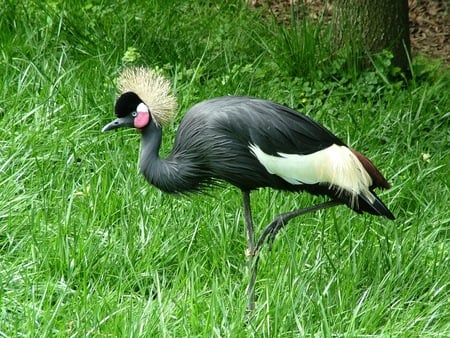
{"points": [[373, 26]]}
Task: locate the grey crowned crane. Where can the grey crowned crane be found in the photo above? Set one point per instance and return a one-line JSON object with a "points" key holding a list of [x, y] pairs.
{"points": [[249, 143]]}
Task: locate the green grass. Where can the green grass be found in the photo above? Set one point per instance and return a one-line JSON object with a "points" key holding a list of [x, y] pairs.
{"points": [[87, 248]]}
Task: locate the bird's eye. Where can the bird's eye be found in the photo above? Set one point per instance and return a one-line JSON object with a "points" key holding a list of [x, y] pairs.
{"points": [[134, 114]]}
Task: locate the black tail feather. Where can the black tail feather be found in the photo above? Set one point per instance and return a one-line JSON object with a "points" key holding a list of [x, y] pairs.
{"points": [[375, 208], [362, 204]]}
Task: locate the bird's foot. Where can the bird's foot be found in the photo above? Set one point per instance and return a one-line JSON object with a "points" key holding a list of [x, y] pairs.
{"points": [[276, 225], [251, 252]]}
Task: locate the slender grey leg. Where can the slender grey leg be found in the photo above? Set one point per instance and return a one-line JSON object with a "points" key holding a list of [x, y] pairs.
{"points": [[282, 220], [250, 246], [248, 223], [269, 234]]}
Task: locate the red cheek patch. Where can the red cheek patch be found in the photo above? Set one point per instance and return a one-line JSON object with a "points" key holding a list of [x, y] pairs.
{"points": [[141, 120]]}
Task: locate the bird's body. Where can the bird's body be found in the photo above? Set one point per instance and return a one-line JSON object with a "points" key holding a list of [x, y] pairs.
{"points": [[234, 139], [249, 143]]}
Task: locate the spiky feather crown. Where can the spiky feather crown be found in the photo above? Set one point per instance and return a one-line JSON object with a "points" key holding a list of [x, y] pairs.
{"points": [[153, 89]]}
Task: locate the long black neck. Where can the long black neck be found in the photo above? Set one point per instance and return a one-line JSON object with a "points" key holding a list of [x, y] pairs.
{"points": [[175, 174]]}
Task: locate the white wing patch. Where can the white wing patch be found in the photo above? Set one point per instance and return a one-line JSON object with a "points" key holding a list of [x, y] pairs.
{"points": [[336, 166]]}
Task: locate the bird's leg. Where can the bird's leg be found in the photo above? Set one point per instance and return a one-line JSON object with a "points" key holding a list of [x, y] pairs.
{"points": [[250, 253], [271, 231], [282, 220], [248, 223]]}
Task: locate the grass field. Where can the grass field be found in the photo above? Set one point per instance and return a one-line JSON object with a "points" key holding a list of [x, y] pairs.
{"points": [[87, 248]]}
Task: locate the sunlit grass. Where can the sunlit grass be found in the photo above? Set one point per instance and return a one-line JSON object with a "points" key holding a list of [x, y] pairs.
{"points": [[88, 248]]}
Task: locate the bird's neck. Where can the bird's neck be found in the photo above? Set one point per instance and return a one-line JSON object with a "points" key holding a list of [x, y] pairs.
{"points": [[150, 144], [151, 165], [174, 174]]}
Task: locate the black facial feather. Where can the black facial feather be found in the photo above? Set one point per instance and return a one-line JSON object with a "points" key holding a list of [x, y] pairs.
{"points": [[126, 104]]}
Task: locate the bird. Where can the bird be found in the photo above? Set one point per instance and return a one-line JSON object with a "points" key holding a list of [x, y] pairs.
{"points": [[245, 141]]}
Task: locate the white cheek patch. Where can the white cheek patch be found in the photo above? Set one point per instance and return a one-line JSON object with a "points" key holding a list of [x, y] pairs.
{"points": [[336, 166]]}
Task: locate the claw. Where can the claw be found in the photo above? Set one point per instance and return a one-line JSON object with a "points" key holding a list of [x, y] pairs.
{"points": [[250, 253]]}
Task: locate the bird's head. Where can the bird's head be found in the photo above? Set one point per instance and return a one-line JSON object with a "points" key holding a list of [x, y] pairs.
{"points": [[145, 98], [131, 112]]}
